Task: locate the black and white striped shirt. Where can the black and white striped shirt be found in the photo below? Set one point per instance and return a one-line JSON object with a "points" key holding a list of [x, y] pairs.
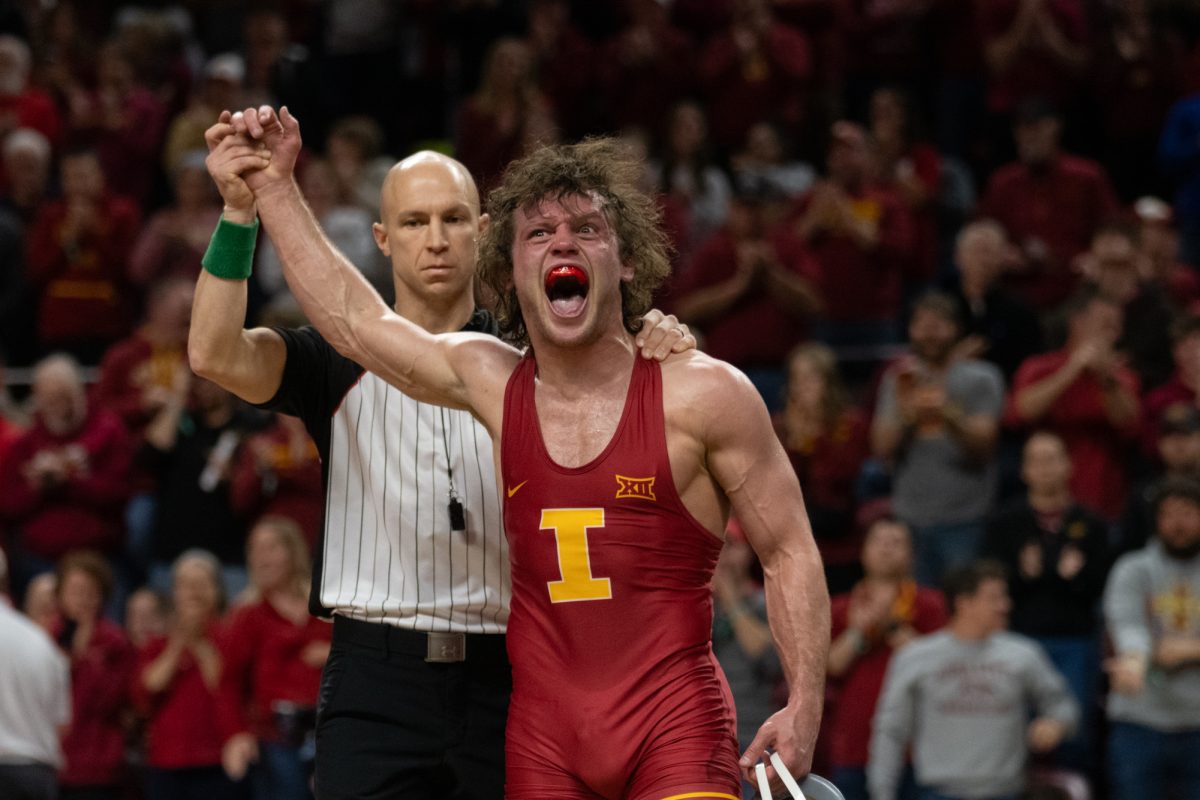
{"points": [[388, 553]]}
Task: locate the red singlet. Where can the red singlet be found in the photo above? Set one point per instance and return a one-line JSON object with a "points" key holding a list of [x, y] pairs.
{"points": [[616, 693]]}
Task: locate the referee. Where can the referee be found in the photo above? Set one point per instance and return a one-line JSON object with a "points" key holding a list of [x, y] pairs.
{"points": [[413, 566]]}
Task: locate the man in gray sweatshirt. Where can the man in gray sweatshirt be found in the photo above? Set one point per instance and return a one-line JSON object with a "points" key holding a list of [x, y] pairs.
{"points": [[962, 698], [1152, 609]]}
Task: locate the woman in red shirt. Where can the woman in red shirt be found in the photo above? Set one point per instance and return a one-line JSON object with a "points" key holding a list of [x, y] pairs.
{"points": [[273, 652], [827, 441], [176, 688], [101, 665]]}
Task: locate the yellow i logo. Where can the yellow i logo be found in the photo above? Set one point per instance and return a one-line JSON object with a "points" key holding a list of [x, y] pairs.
{"points": [[570, 526]]}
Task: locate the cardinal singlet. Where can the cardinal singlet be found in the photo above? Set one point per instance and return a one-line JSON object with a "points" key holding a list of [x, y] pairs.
{"points": [[616, 692]]}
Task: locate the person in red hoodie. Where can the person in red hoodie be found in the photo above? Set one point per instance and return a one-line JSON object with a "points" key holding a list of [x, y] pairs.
{"points": [[1085, 394], [278, 473], [862, 237], [64, 482], [883, 612], [102, 663], [176, 686], [137, 373], [273, 653], [77, 254]]}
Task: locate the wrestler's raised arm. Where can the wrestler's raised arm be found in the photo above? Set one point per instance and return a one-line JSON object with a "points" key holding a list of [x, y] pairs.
{"points": [[747, 461], [460, 370]]}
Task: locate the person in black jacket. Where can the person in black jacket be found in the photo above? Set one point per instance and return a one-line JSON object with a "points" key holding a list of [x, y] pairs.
{"points": [[1057, 556]]}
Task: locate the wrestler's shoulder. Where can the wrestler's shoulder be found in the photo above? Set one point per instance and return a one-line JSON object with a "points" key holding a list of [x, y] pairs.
{"points": [[697, 372]]}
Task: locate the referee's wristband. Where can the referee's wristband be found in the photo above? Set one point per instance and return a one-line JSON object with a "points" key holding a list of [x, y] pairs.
{"points": [[230, 253]]}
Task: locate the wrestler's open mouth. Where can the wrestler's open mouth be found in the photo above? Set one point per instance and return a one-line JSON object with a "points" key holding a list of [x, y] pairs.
{"points": [[567, 289]]}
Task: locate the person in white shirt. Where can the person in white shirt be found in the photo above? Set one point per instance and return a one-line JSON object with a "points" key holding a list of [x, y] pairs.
{"points": [[35, 702]]}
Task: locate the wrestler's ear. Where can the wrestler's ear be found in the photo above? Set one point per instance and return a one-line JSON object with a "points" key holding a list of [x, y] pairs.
{"points": [[381, 239], [484, 221]]}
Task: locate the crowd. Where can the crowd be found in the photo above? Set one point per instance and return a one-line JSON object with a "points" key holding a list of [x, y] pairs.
{"points": [[953, 244]]}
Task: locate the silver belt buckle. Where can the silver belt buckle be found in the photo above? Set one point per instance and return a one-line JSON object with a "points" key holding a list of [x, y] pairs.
{"points": [[445, 648]]}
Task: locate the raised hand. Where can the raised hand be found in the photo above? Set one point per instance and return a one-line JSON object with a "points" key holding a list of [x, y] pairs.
{"points": [[280, 133], [231, 156]]}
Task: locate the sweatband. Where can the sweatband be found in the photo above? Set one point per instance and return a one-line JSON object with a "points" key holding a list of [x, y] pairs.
{"points": [[230, 253]]}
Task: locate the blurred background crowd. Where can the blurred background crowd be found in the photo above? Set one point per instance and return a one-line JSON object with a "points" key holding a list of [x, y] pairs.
{"points": [[954, 243]]}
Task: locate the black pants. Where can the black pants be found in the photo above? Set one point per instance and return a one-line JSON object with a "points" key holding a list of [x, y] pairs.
{"points": [[28, 782], [392, 726]]}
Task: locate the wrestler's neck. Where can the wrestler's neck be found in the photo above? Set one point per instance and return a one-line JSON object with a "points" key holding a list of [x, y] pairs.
{"points": [[578, 370], [438, 314]]}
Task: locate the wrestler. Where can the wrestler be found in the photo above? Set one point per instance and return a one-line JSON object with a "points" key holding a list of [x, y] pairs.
{"points": [[618, 477]]}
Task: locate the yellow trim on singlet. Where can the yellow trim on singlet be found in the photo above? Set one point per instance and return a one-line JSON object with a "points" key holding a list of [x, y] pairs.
{"points": [[721, 795]]}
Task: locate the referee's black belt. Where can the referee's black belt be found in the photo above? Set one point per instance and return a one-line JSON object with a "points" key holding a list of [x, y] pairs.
{"points": [[437, 648]]}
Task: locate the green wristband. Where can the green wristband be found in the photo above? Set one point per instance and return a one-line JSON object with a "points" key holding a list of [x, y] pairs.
{"points": [[230, 253]]}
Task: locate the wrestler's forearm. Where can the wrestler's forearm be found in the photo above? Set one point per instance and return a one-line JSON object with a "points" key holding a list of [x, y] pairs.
{"points": [[334, 295], [798, 608], [351, 315]]}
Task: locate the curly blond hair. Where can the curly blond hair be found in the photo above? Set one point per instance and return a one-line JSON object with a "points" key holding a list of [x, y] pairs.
{"points": [[599, 166]]}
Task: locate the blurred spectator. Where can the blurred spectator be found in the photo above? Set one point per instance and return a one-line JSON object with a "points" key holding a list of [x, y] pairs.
{"points": [[936, 425], [355, 152], [192, 446], [1179, 157], [913, 169], [137, 372], [276, 68], [125, 120], [1183, 387], [554, 41], [1138, 72], [102, 664], [749, 289], [347, 225], [764, 161], [174, 239], [1112, 266], [1033, 47], [35, 702], [1158, 241], [41, 602], [78, 250], [272, 655], [506, 117], [741, 639], [885, 42], [27, 161], [23, 105], [278, 473], [17, 319], [1000, 328], [1050, 202], [65, 481], [1086, 395], [756, 69], [880, 615], [219, 89], [687, 171], [862, 237], [1056, 554], [963, 698], [13, 418], [1150, 607], [1178, 451], [826, 439], [145, 617], [645, 68], [176, 688]]}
